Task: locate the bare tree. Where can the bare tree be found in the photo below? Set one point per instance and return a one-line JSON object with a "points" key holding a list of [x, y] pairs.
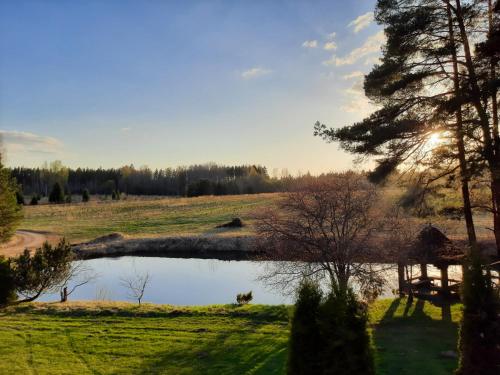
{"points": [[324, 228], [136, 285], [79, 274]]}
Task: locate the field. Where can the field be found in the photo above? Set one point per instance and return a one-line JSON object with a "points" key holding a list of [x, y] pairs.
{"points": [[117, 338], [164, 216], [142, 217]]}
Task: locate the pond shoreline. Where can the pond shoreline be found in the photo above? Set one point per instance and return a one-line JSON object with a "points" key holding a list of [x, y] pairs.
{"points": [[203, 247], [241, 247]]}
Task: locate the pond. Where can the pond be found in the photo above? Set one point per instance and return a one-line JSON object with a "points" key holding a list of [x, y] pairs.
{"points": [[179, 281]]}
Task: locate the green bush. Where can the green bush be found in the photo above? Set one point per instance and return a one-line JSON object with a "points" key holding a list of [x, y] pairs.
{"points": [[42, 271], [34, 200], [329, 336], [7, 284], [479, 341], [244, 298], [20, 198], [56, 195], [347, 348], [305, 339], [85, 195]]}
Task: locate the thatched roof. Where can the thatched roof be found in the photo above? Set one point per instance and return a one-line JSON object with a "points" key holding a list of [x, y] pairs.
{"points": [[433, 247]]}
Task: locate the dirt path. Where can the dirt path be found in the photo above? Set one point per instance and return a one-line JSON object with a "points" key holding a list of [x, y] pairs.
{"points": [[26, 239]]}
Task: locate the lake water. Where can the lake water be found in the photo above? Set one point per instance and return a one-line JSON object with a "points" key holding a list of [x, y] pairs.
{"points": [[180, 281]]}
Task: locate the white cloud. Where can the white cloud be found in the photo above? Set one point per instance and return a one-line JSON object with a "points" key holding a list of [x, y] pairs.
{"points": [[25, 142], [370, 46], [310, 44], [255, 73], [361, 22], [330, 46], [331, 36], [355, 74], [126, 129]]}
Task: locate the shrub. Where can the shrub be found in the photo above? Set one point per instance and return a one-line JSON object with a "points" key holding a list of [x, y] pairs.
{"points": [[347, 348], [34, 200], [42, 271], [244, 298], [479, 341], [85, 195], [56, 195], [7, 284], [305, 340], [329, 336], [20, 198]]}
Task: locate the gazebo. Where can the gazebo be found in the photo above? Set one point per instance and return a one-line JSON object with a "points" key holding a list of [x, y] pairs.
{"points": [[433, 247]]}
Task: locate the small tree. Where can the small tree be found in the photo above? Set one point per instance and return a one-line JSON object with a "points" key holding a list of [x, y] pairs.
{"points": [[305, 340], [34, 200], [347, 349], [20, 198], [136, 285], [57, 194], [85, 195], [322, 229], [244, 298], [479, 342], [43, 271]]}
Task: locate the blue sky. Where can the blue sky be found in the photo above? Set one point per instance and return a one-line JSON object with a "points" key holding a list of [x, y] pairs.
{"points": [[165, 83]]}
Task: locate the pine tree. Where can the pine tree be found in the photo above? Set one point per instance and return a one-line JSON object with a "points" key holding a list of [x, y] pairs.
{"points": [[305, 340], [347, 348], [56, 195], [85, 195], [479, 342]]}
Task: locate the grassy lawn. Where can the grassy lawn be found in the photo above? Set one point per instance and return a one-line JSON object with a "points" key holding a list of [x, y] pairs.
{"points": [[144, 216], [118, 338]]}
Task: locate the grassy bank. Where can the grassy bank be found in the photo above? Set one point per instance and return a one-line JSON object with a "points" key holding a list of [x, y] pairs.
{"points": [[116, 338], [142, 217]]}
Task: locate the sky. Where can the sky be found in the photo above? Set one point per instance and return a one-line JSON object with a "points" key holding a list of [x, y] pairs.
{"points": [[172, 83]]}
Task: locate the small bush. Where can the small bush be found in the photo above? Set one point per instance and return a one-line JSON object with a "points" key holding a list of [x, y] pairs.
{"points": [[244, 298], [56, 195], [305, 340], [329, 336], [85, 195], [34, 200], [20, 198]]}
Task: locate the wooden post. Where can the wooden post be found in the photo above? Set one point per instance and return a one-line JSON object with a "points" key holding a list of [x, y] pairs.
{"points": [[401, 279]]}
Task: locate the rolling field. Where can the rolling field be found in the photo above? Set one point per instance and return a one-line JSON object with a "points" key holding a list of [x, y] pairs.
{"points": [[119, 338], [166, 216], [145, 217]]}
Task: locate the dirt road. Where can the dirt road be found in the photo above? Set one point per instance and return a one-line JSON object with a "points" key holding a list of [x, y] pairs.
{"points": [[26, 239]]}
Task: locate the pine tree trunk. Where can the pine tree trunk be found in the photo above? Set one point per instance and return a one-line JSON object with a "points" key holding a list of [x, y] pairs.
{"points": [[464, 175]]}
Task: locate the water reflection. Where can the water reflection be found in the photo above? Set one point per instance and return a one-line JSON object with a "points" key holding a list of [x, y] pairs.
{"points": [[180, 281]]}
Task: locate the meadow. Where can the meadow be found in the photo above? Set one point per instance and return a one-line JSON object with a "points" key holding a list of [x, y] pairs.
{"points": [[117, 338], [145, 216], [168, 216]]}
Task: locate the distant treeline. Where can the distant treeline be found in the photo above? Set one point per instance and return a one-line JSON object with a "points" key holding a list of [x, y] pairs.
{"points": [[194, 180]]}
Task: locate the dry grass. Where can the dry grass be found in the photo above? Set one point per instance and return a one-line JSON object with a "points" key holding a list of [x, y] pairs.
{"points": [[146, 217]]}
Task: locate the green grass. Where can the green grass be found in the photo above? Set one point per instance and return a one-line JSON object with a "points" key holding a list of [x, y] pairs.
{"points": [[118, 338], [140, 217]]}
